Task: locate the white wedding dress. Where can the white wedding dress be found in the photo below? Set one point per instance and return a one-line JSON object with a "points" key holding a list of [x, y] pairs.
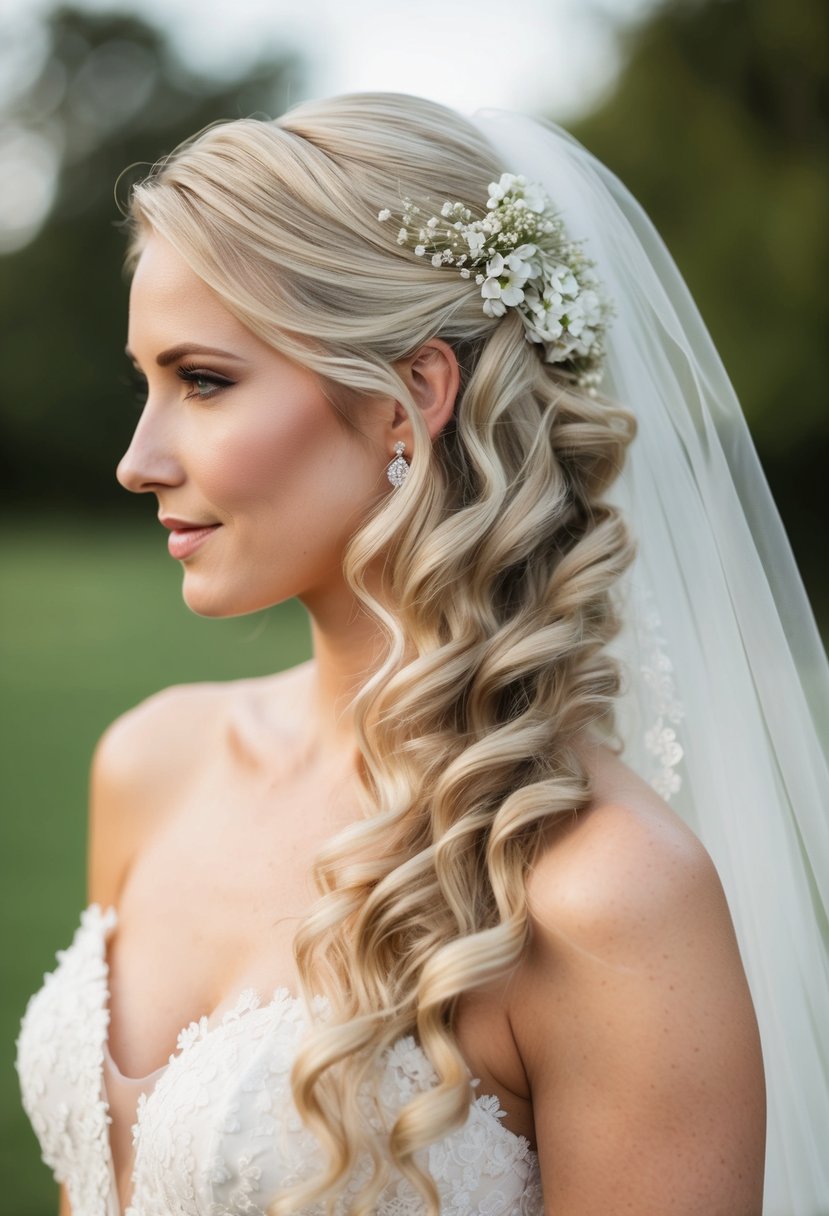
{"points": [[215, 1132]]}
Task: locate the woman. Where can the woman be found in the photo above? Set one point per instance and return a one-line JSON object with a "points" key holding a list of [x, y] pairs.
{"points": [[503, 970]]}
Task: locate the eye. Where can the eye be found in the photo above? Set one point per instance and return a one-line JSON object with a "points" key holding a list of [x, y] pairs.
{"points": [[204, 383]]}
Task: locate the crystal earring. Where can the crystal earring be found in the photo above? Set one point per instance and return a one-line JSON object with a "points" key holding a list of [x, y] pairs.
{"points": [[397, 470]]}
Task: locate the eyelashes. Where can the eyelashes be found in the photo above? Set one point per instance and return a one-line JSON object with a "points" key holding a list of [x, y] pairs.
{"points": [[204, 383], [200, 377]]}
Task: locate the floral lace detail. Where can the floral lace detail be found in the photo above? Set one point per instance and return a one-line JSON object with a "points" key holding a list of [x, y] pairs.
{"points": [[59, 1064], [219, 1134], [657, 672]]}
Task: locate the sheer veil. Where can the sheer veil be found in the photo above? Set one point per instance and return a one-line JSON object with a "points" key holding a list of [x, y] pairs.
{"points": [[726, 703]]}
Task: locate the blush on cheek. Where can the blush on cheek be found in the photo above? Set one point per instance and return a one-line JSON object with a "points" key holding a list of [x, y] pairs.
{"points": [[259, 449], [291, 467]]}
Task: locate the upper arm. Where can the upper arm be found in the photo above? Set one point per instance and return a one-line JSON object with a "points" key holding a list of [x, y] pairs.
{"points": [[64, 1209], [140, 762], [636, 1027]]}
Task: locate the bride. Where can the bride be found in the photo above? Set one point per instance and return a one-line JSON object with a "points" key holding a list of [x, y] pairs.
{"points": [[461, 915]]}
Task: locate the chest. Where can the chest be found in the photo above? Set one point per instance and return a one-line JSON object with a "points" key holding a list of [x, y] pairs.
{"points": [[211, 906], [218, 1133]]}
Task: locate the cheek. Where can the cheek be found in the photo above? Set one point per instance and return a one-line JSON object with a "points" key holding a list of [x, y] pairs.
{"points": [[289, 470]]}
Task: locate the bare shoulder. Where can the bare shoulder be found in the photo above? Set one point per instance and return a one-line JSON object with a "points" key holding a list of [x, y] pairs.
{"points": [[622, 874], [139, 762], [633, 1018], [146, 757], [147, 739]]}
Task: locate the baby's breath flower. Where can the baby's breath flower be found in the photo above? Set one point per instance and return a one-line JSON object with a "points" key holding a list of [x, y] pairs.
{"points": [[522, 258]]}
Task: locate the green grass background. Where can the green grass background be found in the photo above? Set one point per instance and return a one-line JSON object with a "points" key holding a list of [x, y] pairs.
{"points": [[91, 621]]}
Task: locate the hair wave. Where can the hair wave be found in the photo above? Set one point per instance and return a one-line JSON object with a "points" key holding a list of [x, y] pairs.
{"points": [[500, 560]]}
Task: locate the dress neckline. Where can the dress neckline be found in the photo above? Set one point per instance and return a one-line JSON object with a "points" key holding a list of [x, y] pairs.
{"points": [[248, 997], [282, 1003]]}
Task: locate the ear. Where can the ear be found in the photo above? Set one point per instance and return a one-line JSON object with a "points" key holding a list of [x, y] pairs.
{"points": [[433, 378]]}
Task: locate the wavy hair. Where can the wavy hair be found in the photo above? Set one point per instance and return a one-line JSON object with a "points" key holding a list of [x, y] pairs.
{"points": [[500, 558]]}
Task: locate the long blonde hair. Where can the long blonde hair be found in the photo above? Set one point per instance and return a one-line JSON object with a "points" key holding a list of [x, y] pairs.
{"points": [[500, 561]]}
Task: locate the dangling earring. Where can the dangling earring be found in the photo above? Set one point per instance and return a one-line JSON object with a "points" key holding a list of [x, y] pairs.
{"points": [[397, 470]]}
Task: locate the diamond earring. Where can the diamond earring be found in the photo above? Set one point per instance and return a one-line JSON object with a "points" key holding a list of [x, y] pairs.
{"points": [[397, 470]]}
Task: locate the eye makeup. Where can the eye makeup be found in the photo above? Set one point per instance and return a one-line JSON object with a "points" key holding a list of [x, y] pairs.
{"points": [[199, 376], [205, 383]]}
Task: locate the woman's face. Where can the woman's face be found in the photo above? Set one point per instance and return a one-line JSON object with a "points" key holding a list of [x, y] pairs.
{"points": [[236, 438]]}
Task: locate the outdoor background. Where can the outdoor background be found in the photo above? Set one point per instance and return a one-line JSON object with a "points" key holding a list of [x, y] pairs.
{"points": [[714, 112]]}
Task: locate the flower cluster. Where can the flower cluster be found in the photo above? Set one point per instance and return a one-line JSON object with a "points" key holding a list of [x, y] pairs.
{"points": [[521, 257]]}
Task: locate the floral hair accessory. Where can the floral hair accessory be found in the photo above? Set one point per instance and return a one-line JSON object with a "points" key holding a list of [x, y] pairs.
{"points": [[521, 257]]}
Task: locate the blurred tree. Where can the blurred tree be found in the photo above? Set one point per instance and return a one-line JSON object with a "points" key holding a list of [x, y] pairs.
{"points": [[719, 124], [110, 94]]}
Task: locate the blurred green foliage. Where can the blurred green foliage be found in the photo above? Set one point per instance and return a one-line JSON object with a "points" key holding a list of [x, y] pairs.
{"points": [[719, 125]]}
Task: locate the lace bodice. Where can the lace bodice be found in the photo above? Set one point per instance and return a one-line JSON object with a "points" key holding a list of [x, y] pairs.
{"points": [[217, 1134]]}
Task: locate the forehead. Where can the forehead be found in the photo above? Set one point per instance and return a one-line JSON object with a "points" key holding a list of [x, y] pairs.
{"points": [[168, 298], [162, 270]]}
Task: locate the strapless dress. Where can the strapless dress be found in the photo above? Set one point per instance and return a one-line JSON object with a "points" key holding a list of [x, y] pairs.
{"points": [[215, 1132]]}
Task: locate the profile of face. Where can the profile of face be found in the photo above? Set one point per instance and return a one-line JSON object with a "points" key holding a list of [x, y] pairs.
{"points": [[236, 437]]}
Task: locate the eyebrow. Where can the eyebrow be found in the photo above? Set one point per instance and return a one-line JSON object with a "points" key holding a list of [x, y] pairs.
{"points": [[166, 357]]}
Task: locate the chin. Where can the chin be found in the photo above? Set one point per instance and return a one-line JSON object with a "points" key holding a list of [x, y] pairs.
{"points": [[213, 604], [218, 603]]}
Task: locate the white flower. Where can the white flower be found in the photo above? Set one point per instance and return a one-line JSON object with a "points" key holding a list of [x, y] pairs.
{"points": [[519, 269], [475, 241], [494, 308], [512, 294], [498, 190], [383, 215], [564, 281], [525, 253], [530, 264], [505, 280]]}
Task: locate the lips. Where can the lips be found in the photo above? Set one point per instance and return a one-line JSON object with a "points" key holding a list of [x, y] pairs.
{"points": [[184, 525], [184, 541]]}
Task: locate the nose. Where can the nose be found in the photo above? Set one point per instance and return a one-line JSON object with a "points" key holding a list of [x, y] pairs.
{"points": [[150, 459]]}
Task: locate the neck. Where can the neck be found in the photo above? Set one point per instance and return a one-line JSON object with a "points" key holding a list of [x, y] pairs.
{"points": [[347, 645]]}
